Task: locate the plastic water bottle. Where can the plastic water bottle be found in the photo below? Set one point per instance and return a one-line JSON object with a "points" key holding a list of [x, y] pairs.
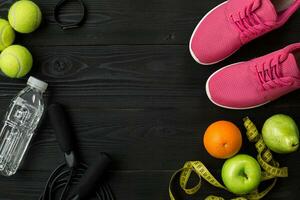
{"points": [[20, 122]]}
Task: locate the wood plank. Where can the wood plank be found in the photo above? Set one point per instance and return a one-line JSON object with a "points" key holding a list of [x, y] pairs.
{"points": [[134, 22]]}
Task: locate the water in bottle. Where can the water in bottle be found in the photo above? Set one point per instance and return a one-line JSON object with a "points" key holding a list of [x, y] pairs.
{"points": [[19, 125]]}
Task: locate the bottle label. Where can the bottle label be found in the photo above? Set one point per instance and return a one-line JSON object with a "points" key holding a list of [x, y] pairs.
{"points": [[21, 112]]}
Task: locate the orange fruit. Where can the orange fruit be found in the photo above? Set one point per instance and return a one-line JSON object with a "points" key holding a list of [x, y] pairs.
{"points": [[222, 139]]}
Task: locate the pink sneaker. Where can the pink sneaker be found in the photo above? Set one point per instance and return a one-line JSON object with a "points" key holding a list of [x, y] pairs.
{"points": [[256, 82], [234, 23]]}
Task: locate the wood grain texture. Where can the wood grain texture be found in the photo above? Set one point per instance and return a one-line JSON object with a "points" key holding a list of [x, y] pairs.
{"points": [[132, 89], [133, 22]]}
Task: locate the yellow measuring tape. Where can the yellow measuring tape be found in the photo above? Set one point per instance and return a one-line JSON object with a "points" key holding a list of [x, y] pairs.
{"points": [[271, 168]]}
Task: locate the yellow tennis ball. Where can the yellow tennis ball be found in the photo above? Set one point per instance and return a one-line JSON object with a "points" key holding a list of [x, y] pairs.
{"points": [[7, 34], [15, 61], [24, 16]]}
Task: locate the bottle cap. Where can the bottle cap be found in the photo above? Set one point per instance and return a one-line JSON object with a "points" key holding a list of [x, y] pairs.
{"points": [[36, 83]]}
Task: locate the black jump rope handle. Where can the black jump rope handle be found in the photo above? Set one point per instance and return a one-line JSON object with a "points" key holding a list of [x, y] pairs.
{"points": [[62, 130], [92, 177], [95, 172]]}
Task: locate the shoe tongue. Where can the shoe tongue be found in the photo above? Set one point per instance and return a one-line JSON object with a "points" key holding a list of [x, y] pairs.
{"points": [[266, 10], [290, 67]]}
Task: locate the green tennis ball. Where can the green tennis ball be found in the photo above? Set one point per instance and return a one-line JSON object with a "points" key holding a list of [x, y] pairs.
{"points": [[7, 34], [24, 16], [15, 61]]}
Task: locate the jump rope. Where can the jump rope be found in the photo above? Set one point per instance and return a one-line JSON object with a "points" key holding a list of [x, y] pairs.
{"points": [[73, 179]]}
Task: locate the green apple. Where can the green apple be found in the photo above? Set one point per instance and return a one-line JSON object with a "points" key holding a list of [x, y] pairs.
{"points": [[241, 174], [281, 134]]}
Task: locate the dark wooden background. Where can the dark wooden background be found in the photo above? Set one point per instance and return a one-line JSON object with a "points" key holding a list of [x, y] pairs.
{"points": [[133, 90]]}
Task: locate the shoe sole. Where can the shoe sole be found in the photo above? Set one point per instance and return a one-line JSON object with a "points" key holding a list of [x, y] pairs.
{"points": [[227, 107], [194, 32]]}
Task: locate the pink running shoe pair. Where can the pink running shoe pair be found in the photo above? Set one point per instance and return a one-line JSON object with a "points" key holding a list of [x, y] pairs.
{"points": [[253, 83]]}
